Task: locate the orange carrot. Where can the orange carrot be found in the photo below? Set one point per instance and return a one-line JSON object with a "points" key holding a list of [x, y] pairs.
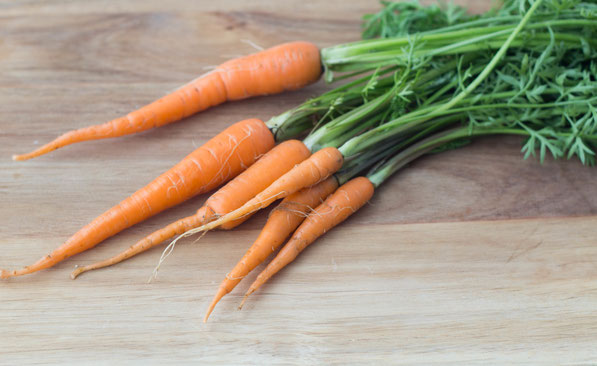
{"points": [[234, 194], [288, 66], [221, 158], [282, 221], [317, 168], [340, 205]]}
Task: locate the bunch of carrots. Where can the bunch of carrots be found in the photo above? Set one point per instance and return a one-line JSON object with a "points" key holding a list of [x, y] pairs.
{"points": [[428, 80]]}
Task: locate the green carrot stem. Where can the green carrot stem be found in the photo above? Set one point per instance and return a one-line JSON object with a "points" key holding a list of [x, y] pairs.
{"points": [[378, 176], [373, 136]]}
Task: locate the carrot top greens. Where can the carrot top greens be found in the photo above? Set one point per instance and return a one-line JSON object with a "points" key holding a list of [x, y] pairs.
{"points": [[571, 21], [528, 68]]}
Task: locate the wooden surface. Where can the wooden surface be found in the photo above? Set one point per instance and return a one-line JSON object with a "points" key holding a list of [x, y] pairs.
{"points": [[471, 256]]}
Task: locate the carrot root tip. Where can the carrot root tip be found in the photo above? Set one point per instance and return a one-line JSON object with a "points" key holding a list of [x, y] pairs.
{"points": [[16, 157], [242, 303], [4, 274], [77, 271]]}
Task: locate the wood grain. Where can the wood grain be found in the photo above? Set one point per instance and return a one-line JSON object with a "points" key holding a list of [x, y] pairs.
{"points": [[471, 256]]}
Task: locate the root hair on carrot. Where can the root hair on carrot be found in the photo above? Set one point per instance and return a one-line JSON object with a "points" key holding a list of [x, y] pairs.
{"points": [[210, 224], [233, 278], [286, 206], [232, 151], [252, 44], [166, 253]]}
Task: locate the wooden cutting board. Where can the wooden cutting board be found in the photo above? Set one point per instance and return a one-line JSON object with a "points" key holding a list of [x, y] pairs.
{"points": [[472, 256]]}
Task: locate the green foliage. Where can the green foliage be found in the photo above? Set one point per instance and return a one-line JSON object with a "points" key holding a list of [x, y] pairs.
{"points": [[409, 17], [432, 78], [544, 90]]}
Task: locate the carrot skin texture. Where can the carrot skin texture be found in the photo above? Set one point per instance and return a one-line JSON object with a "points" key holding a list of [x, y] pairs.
{"points": [[350, 197], [234, 194], [282, 221], [321, 165], [288, 66], [148, 242], [281, 159], [218, 160]]}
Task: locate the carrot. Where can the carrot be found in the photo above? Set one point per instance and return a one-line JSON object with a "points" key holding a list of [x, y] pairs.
{"points": [[234, 194], [220, 159], [317, 168], [282, 221], [340, 205], [288, 66]]}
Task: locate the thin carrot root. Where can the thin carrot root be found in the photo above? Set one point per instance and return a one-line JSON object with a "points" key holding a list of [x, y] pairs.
{"points": [[221, 158], [68, 138], [234, 194], [165, 254], [242, 303], [250, 291], [4, 274], [338, 207], [221, 293], [150, 241], [289, 66], [317, 168], [282, 221]]}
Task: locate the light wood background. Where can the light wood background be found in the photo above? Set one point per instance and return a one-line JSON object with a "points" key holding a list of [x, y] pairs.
{"points": [[472, 256]]}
